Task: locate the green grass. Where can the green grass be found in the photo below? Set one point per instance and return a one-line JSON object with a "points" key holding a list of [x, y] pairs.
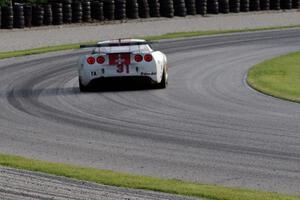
{"points": [[140, 182], [11, 54], [215, 32], [278, 77]]}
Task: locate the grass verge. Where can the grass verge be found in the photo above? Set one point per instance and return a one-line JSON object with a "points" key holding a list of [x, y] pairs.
{"points": [[278, 77], [11, 54], [140, 182]]}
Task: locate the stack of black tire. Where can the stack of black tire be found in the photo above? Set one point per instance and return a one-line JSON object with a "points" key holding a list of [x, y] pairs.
{"points": [[190, 7], [97, 10], [120, 9], [265, 4], [179, 8], [0, 17], [48, 17], [213, 6], [234, 6], [275, 4], [76, 12], [286, 4], [18, 15], [167, 8], [28, 15], [296, 4], [67, 11], [86, 11], [57, 12], [201, 7], [254, 5], [154, 8], [224, 6], [244, 5], [144, 10], [132, 9], [37, 15], [7, 17], [109, 9]]}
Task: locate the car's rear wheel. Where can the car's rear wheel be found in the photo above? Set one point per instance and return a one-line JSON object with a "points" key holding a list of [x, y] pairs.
{"points": [[82, 87], [164, 81]]}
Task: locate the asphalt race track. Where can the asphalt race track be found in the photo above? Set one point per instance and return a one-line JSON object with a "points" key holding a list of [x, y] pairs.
{"points": [[208, 126]]}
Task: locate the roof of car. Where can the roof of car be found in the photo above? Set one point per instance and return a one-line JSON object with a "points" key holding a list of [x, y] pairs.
{"points": [[118, 42], [126, 40]]}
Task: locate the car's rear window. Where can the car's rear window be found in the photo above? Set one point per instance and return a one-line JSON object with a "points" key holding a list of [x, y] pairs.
{"points": [[119, 49]]}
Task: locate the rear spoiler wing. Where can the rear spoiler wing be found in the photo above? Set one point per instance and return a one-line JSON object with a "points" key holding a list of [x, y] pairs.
{"points": [[116, 44]]}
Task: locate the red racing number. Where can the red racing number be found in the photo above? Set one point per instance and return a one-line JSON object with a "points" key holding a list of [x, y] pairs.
{"points": [[120, 68]]}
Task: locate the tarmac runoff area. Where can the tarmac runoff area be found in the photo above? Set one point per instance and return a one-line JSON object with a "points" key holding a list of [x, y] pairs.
{"points": [[20, 39]]}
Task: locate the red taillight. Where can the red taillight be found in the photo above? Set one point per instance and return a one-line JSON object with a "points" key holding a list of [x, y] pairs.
{"points": [[148, 57], [138, 58], [90, 60], [100, 60]]}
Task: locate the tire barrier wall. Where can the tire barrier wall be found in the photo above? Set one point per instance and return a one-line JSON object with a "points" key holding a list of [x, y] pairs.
{"points": [[37, 15], [144, 10], [18, 13], [190, 7], [245, 6], [67, 12], [0, 17], [97, 10], [120, 9], [109, 9], [7, 17], [167, 8], [265, 4], [275, 4], [48, 17], [28, 15], [234, 6], [224, 6], [296, 4], [286, 4], [212, 6], [180, 8], [76, 12], [201, 7], [154, 8], [58, 12]]}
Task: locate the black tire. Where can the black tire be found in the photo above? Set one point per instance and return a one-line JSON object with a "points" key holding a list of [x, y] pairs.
{"points": [[97, 10], [234, 6], [275, 4], [154, 8], [76, 12], [37, 15], [164, 81], [201, 7], [254, 5], [0, 17], [7, 17], [213, 6], [83, 88], [244, 5], [18, 15], [265, 4]]}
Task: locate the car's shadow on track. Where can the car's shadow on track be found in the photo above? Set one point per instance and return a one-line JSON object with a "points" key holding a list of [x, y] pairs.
{"points": [[120, 86]]}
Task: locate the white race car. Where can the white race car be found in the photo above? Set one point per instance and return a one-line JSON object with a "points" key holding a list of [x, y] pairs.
{"points": [[123, 58]]}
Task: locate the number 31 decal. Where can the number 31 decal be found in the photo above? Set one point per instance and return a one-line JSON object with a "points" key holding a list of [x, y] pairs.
{"points": [[120, 68]]}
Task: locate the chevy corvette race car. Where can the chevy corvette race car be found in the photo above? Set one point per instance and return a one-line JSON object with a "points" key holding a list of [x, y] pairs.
{"points": [[123, 58]]}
